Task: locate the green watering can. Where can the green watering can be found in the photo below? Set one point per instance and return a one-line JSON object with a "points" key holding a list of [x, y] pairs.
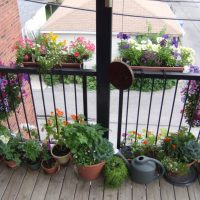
{"points": [[143, 169]]}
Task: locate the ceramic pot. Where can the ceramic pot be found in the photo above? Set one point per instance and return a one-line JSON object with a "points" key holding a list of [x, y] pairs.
{"points": [[62, 160], [34, 166], [51, 170], [90, 172], [10, 163]]}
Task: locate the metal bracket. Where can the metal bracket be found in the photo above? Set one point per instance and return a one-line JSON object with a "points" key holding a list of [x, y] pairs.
{"points": [[108, 3]]}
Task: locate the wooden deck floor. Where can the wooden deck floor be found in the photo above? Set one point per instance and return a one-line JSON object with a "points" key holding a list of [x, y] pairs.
{"points": [[23, 184]]}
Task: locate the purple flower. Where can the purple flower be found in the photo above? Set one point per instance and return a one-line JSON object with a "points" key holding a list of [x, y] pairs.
{"points": [[175, 54], [126, 46], [175, 41], [163, 43], [165, 36], [194, 69], [123, 36]]}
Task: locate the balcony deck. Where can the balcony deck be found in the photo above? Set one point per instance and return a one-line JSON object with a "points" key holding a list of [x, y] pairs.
{"points": [[21, 184]]}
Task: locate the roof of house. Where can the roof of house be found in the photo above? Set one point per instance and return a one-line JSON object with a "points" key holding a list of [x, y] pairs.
{"points": [[27, 10], [66, 19]]}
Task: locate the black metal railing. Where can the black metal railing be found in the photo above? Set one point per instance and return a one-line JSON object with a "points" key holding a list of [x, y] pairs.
{"points": [[134, 111], [150, 108], [43, 101]]}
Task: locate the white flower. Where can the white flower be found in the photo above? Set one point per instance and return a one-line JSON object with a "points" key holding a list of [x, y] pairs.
{"points": [[4, 139], [159, 39], [132, 41], [143, 42]]}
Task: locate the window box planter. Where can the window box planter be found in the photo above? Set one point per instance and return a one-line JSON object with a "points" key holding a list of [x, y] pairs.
{"points": [[166, 69]]}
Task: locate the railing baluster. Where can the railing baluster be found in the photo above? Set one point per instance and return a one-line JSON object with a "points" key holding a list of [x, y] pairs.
{"points": [[184, 104], [198, 136], [138, 111], [33, 102], [120, 118], [43, 101], [23, 105], [172, 110], [54, 102], [127, 106], [85, 106], [64, 95], [75, 95], [163, 96], [150, 103], [16, 118], [4, 107]]}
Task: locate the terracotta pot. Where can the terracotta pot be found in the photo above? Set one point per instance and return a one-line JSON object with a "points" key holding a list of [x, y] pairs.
{"points": [[10, 163], [62, 160], [30, 64], [51, 170], [72, 65], [90, 172], [166, 69]]}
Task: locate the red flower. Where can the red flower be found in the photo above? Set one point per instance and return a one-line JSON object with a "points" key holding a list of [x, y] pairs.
{"points": [[167, 140], [76, 54], [26, 57], [145, 142], [174, 146]]}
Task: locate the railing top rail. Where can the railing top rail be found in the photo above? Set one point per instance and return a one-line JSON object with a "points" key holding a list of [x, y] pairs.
{"points": [[83, 72], [166, 75]]}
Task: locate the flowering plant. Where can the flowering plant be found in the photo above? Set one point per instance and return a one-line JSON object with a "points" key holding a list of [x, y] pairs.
{"points": [[54, 127], [80, 50], [10, 92], [24, 50], [166, 51], [86, 142], [190, 94], [142, 143]]}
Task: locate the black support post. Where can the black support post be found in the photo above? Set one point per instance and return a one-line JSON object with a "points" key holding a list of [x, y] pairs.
{"points": [[103, 43]]}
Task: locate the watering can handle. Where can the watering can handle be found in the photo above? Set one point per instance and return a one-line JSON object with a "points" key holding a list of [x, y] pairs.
{"points": [[162, 168]]}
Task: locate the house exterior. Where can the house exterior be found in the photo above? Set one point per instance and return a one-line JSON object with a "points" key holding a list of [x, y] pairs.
{"points": [[71, 23], [32, 18]]}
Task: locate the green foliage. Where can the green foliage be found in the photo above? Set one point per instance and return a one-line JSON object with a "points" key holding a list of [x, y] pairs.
{"points": [[174, 167], [10, 150], [31, 150], [86, 142], [115, 172], [46, 153]]}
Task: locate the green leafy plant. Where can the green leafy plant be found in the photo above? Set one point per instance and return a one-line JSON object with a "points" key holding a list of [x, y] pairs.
{"points": [[86, 142], [31, 150], [115, 172]]}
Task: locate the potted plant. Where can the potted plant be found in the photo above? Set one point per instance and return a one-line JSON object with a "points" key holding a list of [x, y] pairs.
{"points": [[181, 152], [55, 131], [49, 164], [88, 147], [32, 153], [10, 150], [115, 172], [79, 51]]}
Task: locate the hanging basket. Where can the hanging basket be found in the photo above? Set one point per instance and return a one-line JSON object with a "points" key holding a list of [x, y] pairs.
{"points": [[157, 69]]}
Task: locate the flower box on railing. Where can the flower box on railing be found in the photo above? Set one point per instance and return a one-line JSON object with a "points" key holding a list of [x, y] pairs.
{"points": [[167, 69]]}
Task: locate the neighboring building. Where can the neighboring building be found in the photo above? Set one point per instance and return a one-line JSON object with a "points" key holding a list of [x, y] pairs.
{"points": [[9, 29], [70, 23], [32, 18]]}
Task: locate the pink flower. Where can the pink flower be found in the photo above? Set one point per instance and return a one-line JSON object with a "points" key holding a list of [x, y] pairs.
{"points": [[80, 39], [76, 54]]}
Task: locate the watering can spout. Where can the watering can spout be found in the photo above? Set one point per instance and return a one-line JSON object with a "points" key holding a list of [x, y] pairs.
{"points": [[124, 159]]}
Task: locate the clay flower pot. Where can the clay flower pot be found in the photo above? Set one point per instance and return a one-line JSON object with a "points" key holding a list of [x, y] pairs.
{"points": [[90, 172], [10, 163], [50, 170], [62, 159]]}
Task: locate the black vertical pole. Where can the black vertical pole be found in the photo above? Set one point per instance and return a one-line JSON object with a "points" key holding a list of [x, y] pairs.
{"points": [[103, 43]]}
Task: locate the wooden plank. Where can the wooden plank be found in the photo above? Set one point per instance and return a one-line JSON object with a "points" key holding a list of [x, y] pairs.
{"points": [[181, 193], [139, 191], [14, 184], [125, 191], [41, 186], [110, 194], [5, 176], [194, 191], [153, 190], [167, 190], [55, 185], [28, 185], [69, 184], [96, 189]]}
